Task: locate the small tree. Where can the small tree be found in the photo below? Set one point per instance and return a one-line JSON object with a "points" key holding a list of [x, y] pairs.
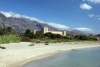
{"points": [[27, 32], [9, 29]]}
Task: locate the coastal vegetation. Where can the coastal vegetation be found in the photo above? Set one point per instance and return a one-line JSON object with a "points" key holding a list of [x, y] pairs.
{"points": [[9, 39], [46, 42], [31, 44], [2, 47], [49, 37], [7, 36]]}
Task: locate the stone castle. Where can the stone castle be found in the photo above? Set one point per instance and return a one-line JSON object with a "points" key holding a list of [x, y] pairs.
{"points": [[45, 30]]}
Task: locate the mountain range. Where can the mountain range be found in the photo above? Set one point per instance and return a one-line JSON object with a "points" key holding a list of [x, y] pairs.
{"points": [[20, 25]]}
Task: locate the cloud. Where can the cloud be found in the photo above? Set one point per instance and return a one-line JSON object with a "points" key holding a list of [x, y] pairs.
{"points": [[11, 14], [85, 6], [58, 26], [91, 15], [98, 18], [83, 29], [95, 16], [94, 1]]}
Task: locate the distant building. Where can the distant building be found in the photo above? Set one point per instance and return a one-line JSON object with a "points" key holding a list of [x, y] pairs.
{"points": [[45, 30]]}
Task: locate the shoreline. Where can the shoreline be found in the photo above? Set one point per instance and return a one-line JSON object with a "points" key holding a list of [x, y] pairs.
{"points": [[22, 63], [40, 51]]}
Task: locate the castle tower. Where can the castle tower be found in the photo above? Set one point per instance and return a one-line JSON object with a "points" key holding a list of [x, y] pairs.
{"points": [[34, 32], [64, 33], [44, 30]]}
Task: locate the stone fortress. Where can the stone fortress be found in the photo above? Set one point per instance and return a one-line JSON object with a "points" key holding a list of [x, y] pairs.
{"points": [[45, 30]]}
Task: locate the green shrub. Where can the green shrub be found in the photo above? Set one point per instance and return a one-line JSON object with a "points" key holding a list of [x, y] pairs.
{"points": [[9, 39], [31, 45], [38, 41], [69, 40], [58, 40], [46, 42], [54, 41], [25, 39], [2, 47]]}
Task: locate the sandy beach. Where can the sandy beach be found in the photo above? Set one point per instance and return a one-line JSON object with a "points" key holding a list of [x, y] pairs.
{"points": [[17, 54]]}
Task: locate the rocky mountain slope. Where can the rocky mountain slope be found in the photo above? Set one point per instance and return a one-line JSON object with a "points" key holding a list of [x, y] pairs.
{"points": [[21, 24]]}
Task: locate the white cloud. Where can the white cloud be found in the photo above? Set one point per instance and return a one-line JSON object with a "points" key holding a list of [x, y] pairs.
{"points": [[98, 18], [94, 1], [11, 14], [58, 26], [85, 6], [91, 15], [85, 30]]}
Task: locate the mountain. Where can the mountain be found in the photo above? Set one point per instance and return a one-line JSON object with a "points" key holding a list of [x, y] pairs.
{"points": [[72, 32], [21, 24]]}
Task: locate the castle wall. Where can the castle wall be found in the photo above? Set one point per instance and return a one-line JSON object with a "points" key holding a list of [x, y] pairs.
{"points": [[45, 30], [36, 32], [56, 32]]}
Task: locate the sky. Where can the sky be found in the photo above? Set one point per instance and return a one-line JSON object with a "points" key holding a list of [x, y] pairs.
{"points": [[83, 15]]}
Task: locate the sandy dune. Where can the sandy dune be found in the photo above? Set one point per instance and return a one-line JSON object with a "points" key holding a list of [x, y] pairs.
{"points": [[17, 54]]}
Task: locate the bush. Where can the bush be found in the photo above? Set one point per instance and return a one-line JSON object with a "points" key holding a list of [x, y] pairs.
{"points": [[58, 40], [69, 40], [2, 47], [31, 45], [9, 39], [25, 39], [46, 42], [38, 41]]}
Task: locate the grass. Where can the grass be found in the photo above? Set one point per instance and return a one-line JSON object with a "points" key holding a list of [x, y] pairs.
{"points": [[50, 40], [9, 39]]}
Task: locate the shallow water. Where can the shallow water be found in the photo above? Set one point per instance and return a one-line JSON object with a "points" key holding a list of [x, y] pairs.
{"points": [[76, 58]]}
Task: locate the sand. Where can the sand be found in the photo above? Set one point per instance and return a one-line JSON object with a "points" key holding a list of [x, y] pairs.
{"points": [[18, 54]]}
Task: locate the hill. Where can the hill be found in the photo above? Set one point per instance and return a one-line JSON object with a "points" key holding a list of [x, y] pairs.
{"points": [[20, 25]]}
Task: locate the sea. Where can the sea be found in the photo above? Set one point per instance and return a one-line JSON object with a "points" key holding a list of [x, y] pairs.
{"points": [[89, 57]]}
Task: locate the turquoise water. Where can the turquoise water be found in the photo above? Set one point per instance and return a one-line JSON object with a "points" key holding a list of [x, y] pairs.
{"points": [[80, 58]]}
